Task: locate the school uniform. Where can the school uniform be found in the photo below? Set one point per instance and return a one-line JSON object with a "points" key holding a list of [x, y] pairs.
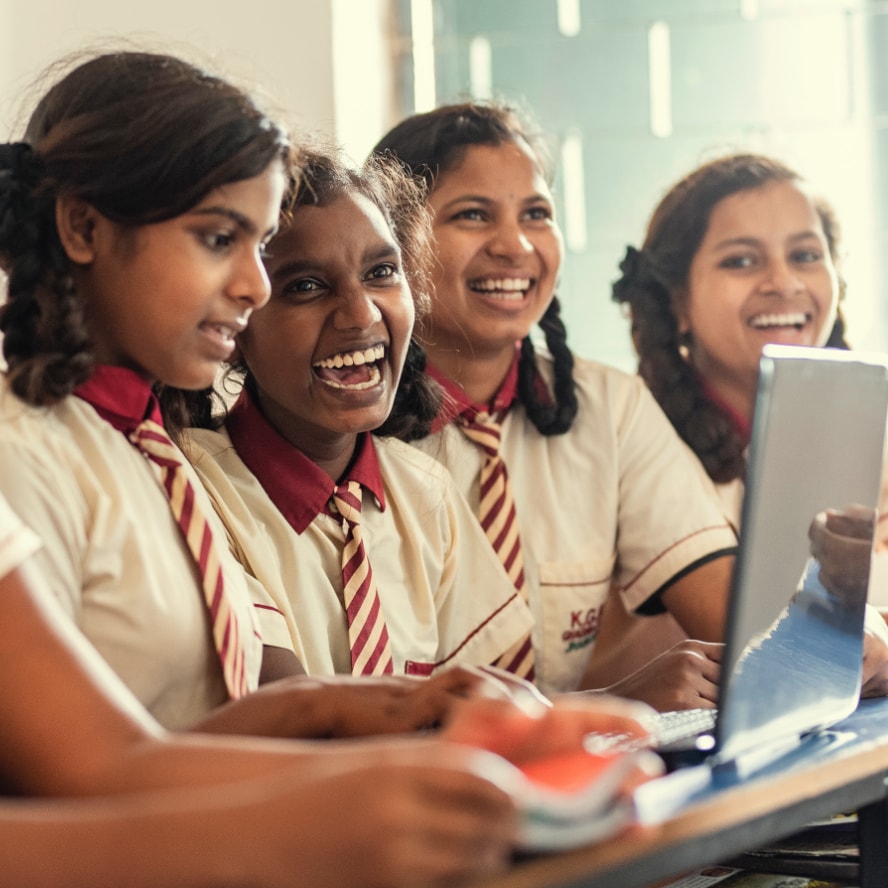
{"points": [[445, 597], [616, 501], [17, 542], [112, 553]]}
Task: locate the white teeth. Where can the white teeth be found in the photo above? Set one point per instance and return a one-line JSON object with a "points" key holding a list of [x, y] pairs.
{"points": [[794, 319], [375, 376], [515, 287], [225, 332], [352, 359]]}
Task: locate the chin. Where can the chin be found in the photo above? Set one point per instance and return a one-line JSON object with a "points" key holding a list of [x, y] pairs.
{"points": [[194, 382]]}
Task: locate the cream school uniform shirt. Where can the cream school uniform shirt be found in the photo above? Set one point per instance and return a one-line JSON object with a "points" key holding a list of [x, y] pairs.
{"points": [[113, 554], [17, 542], [446, 597], [617, 499]]}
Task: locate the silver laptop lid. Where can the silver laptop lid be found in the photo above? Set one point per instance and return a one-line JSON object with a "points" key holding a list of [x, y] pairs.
{"points": [[792, 661]]}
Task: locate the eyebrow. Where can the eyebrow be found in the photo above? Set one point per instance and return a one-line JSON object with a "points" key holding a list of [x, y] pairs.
{"points": [[309, 265], [536, 197], [243, 222], [754, 241]]}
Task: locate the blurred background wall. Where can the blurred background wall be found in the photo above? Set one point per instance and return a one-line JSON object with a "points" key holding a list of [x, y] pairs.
{"points": [[634, 93]]}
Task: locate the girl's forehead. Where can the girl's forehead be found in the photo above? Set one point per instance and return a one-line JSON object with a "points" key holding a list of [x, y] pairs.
{"points": [[489, 167], [769, 208], [348, 217]]}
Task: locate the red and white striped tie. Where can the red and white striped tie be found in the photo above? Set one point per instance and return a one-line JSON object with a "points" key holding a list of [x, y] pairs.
{"points": [[371, 650], [500, 522], [153, 440]]}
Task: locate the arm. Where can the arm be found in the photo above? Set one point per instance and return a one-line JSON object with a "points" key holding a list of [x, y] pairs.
{"points": [[344, 706], [699, 599]]}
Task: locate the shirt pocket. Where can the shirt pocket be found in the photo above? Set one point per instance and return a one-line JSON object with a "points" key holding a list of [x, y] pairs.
{"points": [[571, 595]]}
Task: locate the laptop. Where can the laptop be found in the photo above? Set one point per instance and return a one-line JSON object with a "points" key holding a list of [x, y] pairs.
{"points": [[794, 636]]}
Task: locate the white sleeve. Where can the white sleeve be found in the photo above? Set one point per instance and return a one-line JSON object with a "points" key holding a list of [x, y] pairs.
{"points": [[17, 542]]}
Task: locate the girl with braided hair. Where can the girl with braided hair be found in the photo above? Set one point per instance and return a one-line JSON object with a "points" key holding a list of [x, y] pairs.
{"points": [[329, 360], [737, 254], [606, 500]]}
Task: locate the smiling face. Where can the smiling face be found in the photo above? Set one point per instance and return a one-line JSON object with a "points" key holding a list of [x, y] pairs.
{"points": [[499, 250], [763, 273], [327, 351], [167, 299]]}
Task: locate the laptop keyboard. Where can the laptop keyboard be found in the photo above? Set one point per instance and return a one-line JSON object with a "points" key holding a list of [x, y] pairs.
{"points": [[665, 728], [670, 727]]}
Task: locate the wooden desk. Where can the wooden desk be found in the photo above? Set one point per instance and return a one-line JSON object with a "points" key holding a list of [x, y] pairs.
{"points": [[727, 821]]}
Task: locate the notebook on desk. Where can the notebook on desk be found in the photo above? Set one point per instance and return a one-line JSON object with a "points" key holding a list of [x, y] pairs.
{"points": [[793, 647]]}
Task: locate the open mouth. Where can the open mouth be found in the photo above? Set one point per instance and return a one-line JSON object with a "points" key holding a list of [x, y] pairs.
{"points": [[506, 289], [795, 319], [355, 370]]}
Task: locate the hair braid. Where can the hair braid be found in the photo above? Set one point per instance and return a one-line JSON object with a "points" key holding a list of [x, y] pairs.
{"points": [[417, 400], [549, 418], [45, 343]]}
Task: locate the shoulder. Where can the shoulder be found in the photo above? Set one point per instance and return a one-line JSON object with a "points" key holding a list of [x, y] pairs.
{"points": [[57, 433], [217, 463], [402, 460], [600, 386], [205, 444]]}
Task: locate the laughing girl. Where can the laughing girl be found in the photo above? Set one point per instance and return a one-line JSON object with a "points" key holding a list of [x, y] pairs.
{"points": [[314, 503]]}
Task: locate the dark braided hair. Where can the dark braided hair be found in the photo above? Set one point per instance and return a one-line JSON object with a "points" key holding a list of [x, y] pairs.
{"points": [[140, 136], [321, 178], [653, 278], [436, 142]]}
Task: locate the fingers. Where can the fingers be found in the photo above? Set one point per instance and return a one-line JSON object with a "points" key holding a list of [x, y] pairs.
{"points": [[503, 728], [852, 521], [684, 677]]}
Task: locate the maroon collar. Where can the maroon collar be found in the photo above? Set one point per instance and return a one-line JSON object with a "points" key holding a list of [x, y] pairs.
{"points": [[121, 397], [299, 489], [456, 402], [740, 423]]}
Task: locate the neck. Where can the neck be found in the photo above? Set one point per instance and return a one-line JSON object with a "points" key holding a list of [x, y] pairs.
{"points": [[334, 460], [739, 399], [331, 451], [479, 375]]}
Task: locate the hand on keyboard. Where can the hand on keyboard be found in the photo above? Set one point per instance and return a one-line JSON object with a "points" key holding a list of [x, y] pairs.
{"points": [[684, 677]]}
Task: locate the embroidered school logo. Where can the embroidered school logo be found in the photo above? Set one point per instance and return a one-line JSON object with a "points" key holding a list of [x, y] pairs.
{"points": [[582, 631]]}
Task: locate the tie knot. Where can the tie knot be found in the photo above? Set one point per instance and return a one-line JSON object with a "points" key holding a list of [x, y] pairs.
{"points": [[347, 501], [152, 439], [484, 430]]}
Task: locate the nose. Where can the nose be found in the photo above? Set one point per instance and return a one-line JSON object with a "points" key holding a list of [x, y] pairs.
{"points": [[249, 283], [781, 278], [509, 240], [356, 310]]}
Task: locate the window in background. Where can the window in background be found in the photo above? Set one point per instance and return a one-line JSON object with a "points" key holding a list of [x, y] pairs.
{"points": [[637, 92]]}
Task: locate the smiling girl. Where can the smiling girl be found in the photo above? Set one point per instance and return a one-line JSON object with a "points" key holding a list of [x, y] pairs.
{"points": [[607, 500], [133, 219], [326, 362], [739, 253]]}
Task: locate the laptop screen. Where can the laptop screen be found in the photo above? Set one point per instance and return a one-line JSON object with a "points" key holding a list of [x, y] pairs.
{"points": [[794, 640]]}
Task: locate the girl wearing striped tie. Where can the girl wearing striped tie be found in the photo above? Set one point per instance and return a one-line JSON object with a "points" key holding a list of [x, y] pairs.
{"points": [[133, 217], [371, 560], [607, 500]]}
